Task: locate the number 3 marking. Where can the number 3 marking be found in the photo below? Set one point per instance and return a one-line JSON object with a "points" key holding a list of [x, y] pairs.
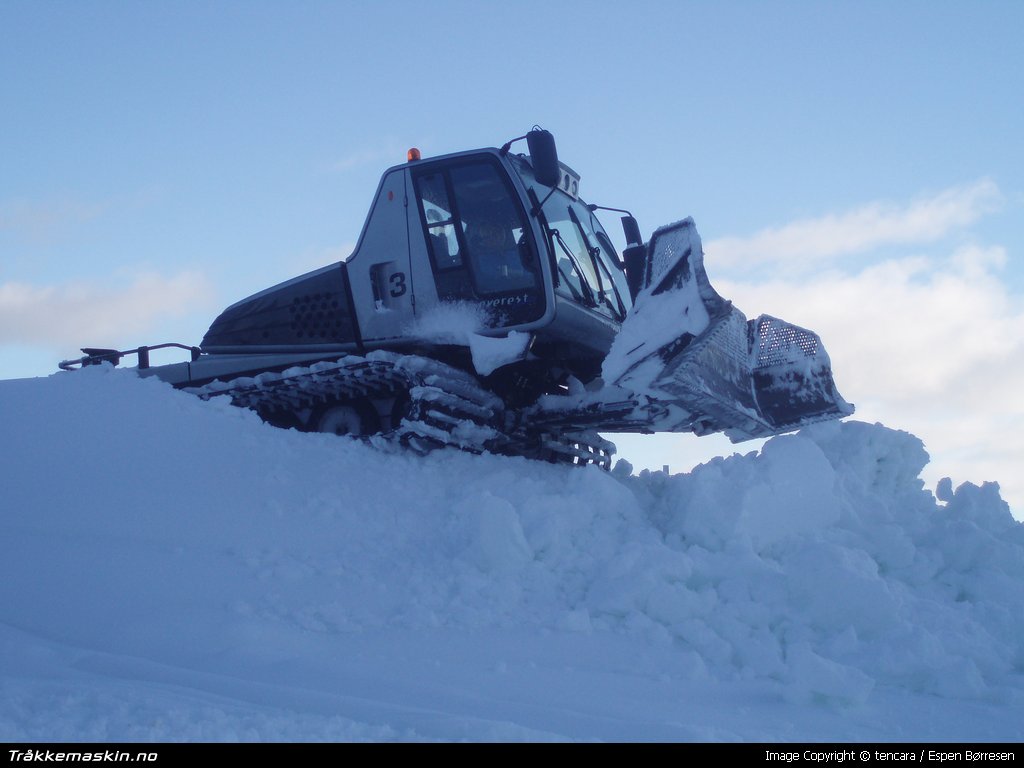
{"points": [[397, 281]]}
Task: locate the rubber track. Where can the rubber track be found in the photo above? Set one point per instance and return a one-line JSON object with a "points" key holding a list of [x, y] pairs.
{"points": [[448, 407]]}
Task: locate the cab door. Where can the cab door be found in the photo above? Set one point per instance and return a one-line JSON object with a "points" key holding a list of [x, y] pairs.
{"points": [[481, 248]]}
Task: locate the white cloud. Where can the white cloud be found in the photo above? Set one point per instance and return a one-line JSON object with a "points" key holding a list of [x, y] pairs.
{"points": [[72, 314], [933, 346], [42, 221], [810, 242]]}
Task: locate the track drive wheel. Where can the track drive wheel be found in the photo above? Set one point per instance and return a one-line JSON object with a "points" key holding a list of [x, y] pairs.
{"points": [[355, 419]]}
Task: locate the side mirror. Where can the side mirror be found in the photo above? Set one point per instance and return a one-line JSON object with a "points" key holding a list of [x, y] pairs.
{"points": [[544, 157], [631, 230]]}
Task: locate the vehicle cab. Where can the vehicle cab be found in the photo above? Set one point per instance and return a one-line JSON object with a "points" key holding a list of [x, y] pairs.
{"points": [[480, 229], [501, 238]]}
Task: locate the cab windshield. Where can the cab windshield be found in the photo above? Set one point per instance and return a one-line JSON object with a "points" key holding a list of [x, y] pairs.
{"points": [[586, 265]]}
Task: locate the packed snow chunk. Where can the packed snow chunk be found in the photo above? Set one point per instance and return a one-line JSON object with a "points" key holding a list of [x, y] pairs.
{"points": [[814, 678], [957, 677], [786, 491], [834, 587], [460, 324], [495, 541], [984, 506], [980, 563], [878, 461], [643, 587], [490, 353], [794, 494], [702, 507], [577, 620], [944, 489]]}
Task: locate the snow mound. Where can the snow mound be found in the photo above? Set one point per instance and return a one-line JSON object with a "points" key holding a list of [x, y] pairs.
{"points": [[824, 557], [175, 569]]}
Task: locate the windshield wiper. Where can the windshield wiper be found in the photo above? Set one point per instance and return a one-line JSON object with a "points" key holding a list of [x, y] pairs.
{"points": [[599, 267], [591, 250], [589, 297], [621, 310], [567, 279]]}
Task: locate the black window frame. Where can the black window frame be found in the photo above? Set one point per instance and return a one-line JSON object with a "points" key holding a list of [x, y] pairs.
{"points": [[443, 168], [438, 169]]}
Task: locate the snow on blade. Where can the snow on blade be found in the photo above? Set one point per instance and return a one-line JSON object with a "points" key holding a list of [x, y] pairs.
{"points": [[175, 569], [656, 319]]}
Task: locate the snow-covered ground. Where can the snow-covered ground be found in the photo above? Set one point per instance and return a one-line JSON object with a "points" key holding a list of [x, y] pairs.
{"points": [[176, 570]]}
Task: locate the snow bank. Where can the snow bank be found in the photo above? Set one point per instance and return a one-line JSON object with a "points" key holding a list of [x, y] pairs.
{"points": [[824, 562], [175, 569]]}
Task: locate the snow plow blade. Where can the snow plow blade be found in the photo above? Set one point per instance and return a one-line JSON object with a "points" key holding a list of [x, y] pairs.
{"points": [[711, 370]]}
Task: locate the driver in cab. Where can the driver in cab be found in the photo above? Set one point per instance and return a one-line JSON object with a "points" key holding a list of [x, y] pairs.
{"points": [[496, 257]]}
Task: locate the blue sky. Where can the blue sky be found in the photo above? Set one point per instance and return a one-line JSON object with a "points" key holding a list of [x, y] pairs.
{"points": [[852, 167]]}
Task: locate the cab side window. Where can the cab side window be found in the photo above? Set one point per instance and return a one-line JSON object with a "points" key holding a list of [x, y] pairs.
{"points": [[437, 212]]}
